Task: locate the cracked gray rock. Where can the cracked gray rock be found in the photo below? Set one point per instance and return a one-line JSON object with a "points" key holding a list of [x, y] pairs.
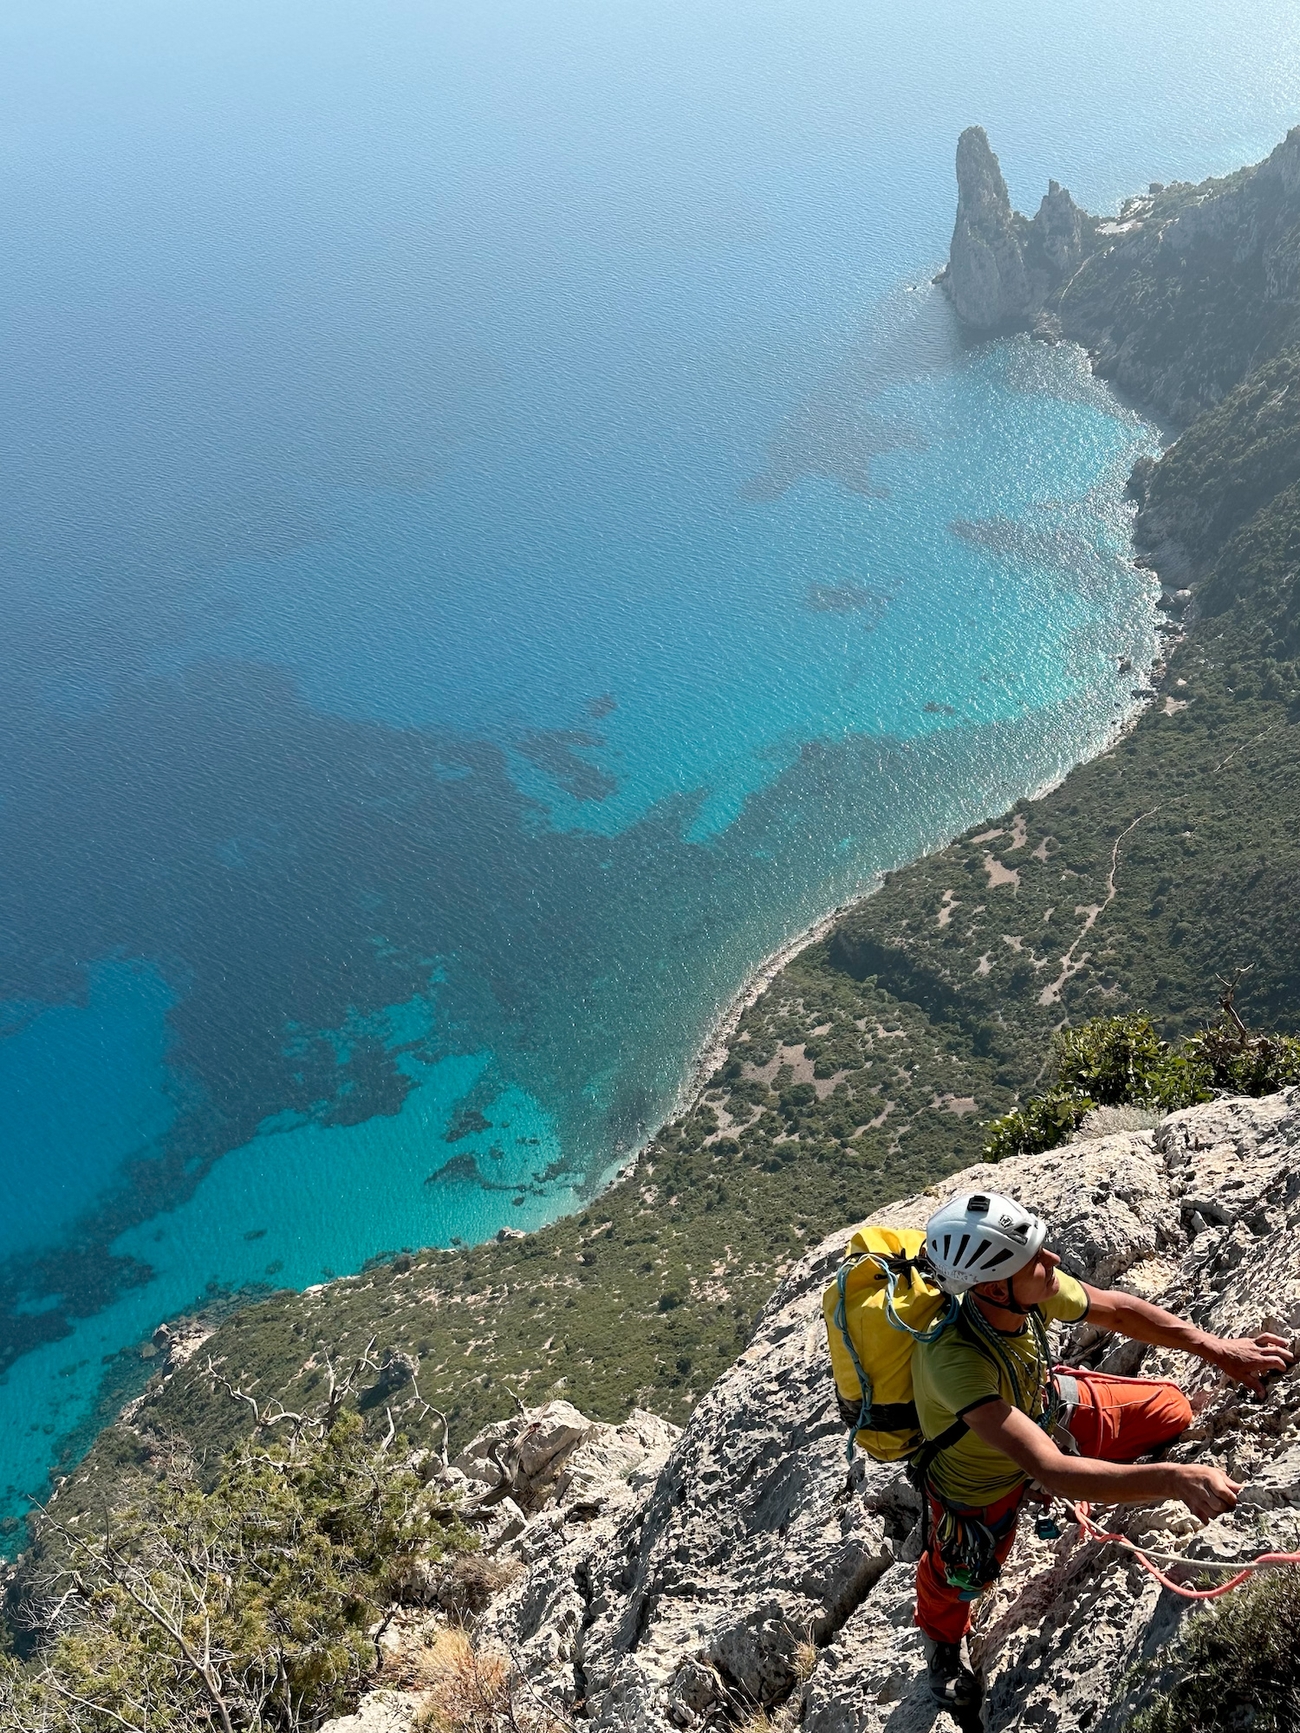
{"points": [[672, 1583], [755, 1537]]}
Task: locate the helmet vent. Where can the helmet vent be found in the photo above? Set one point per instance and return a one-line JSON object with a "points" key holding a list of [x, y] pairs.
{"points": [[960, 1254], [998, 1258], [977, 1255]]}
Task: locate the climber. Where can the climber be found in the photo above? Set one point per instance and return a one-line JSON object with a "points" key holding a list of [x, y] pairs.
{"points": [[995, 1416]]}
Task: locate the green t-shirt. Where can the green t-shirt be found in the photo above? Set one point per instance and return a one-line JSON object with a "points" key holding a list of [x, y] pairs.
{"points": [[950, 1376]]}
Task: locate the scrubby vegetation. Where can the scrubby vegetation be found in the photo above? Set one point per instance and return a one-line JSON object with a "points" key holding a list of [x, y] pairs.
{"points": [[1122, 1062], [1239, 1662], [1189, 302], [252, 1605], [469, 1689], [649, 1293]]}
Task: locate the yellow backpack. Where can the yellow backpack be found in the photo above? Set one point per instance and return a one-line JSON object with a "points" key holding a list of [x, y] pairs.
{"points": [[876, 1310]]}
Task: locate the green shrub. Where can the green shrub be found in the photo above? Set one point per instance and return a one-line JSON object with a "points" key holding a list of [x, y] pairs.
{"points": [[249, 1606], [1254, 1065], [1122, 1062], [1039, 1125], [1242, 1664]]}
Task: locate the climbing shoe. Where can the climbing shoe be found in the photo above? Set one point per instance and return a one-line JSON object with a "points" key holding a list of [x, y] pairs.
{"points": [[952, 1684]]}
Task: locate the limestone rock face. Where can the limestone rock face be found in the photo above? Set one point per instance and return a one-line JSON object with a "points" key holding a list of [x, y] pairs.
{"points": [[661, 1582], [1175, 299], [555, 1459], [546, 1491], [1059, 235], [755, 1568], [380, 1712], [1002, 268]]}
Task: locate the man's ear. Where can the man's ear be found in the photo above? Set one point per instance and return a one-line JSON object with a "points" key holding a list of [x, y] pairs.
{"points": [[999, 1293]]}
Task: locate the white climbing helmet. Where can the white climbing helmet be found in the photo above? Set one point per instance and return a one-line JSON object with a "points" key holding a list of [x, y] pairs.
{"points": [[981, 1237]]}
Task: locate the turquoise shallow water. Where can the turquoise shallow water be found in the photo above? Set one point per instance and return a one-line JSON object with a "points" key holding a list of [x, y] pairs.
{"points": [[500, 533]]}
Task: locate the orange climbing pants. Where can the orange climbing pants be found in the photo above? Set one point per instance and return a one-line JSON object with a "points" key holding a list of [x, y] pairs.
{"points": [[1117, 1420]]}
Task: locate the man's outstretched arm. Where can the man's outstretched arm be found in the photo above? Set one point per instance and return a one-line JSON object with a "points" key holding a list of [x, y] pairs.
{"points": [[1207, 1492], [1248, 1359]]}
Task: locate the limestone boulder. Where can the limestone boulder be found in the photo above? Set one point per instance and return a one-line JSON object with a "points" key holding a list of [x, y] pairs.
{"points": [[380, 1712]]}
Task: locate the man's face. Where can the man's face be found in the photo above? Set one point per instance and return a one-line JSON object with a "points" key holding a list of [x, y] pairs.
{"points": [[1030, 1286]]}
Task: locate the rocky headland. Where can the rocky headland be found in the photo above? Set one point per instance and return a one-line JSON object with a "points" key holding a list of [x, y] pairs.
{"points": [[1176, 299]]}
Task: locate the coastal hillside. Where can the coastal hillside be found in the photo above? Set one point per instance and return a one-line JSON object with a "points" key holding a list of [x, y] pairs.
{"points": [[872, 1063]]}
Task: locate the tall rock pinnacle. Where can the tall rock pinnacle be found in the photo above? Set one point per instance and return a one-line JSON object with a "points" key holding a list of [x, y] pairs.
{"points": [[1002, 268]]}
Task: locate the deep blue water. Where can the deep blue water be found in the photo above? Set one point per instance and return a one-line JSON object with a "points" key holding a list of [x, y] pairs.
{"points": [[498, 533]]}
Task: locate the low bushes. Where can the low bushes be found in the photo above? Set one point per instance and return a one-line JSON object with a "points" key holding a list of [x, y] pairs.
{"points": [[1122, 1062], [1239, 1662], [250, 1606], [468, 1689]]}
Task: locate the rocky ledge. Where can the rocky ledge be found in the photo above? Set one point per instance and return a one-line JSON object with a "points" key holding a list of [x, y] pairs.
{"points": [[665, 1582]]}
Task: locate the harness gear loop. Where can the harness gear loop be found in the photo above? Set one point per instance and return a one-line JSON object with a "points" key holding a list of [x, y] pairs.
{"points": [[968, 1547]]}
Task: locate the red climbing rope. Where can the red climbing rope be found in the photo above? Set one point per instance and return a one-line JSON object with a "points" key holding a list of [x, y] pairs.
{"points": [[1083, 1516]]}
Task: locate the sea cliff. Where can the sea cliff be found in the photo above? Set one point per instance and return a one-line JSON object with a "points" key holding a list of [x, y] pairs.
{"points": [[1004, 268]]}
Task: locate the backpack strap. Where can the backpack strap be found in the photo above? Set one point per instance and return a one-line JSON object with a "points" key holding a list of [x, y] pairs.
{"points": [[885, 1416], [919, 1466], [864, 1383]]}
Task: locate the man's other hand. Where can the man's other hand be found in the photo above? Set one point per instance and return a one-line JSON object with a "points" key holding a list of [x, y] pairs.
{"points": [[1251, 1359], [1207, 1492]]}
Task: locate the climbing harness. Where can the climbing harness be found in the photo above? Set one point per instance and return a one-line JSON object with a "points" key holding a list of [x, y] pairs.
{"points": [[967, 1547]]}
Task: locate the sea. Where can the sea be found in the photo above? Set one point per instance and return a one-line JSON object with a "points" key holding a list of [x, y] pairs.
{"points": [[498, 534]]}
